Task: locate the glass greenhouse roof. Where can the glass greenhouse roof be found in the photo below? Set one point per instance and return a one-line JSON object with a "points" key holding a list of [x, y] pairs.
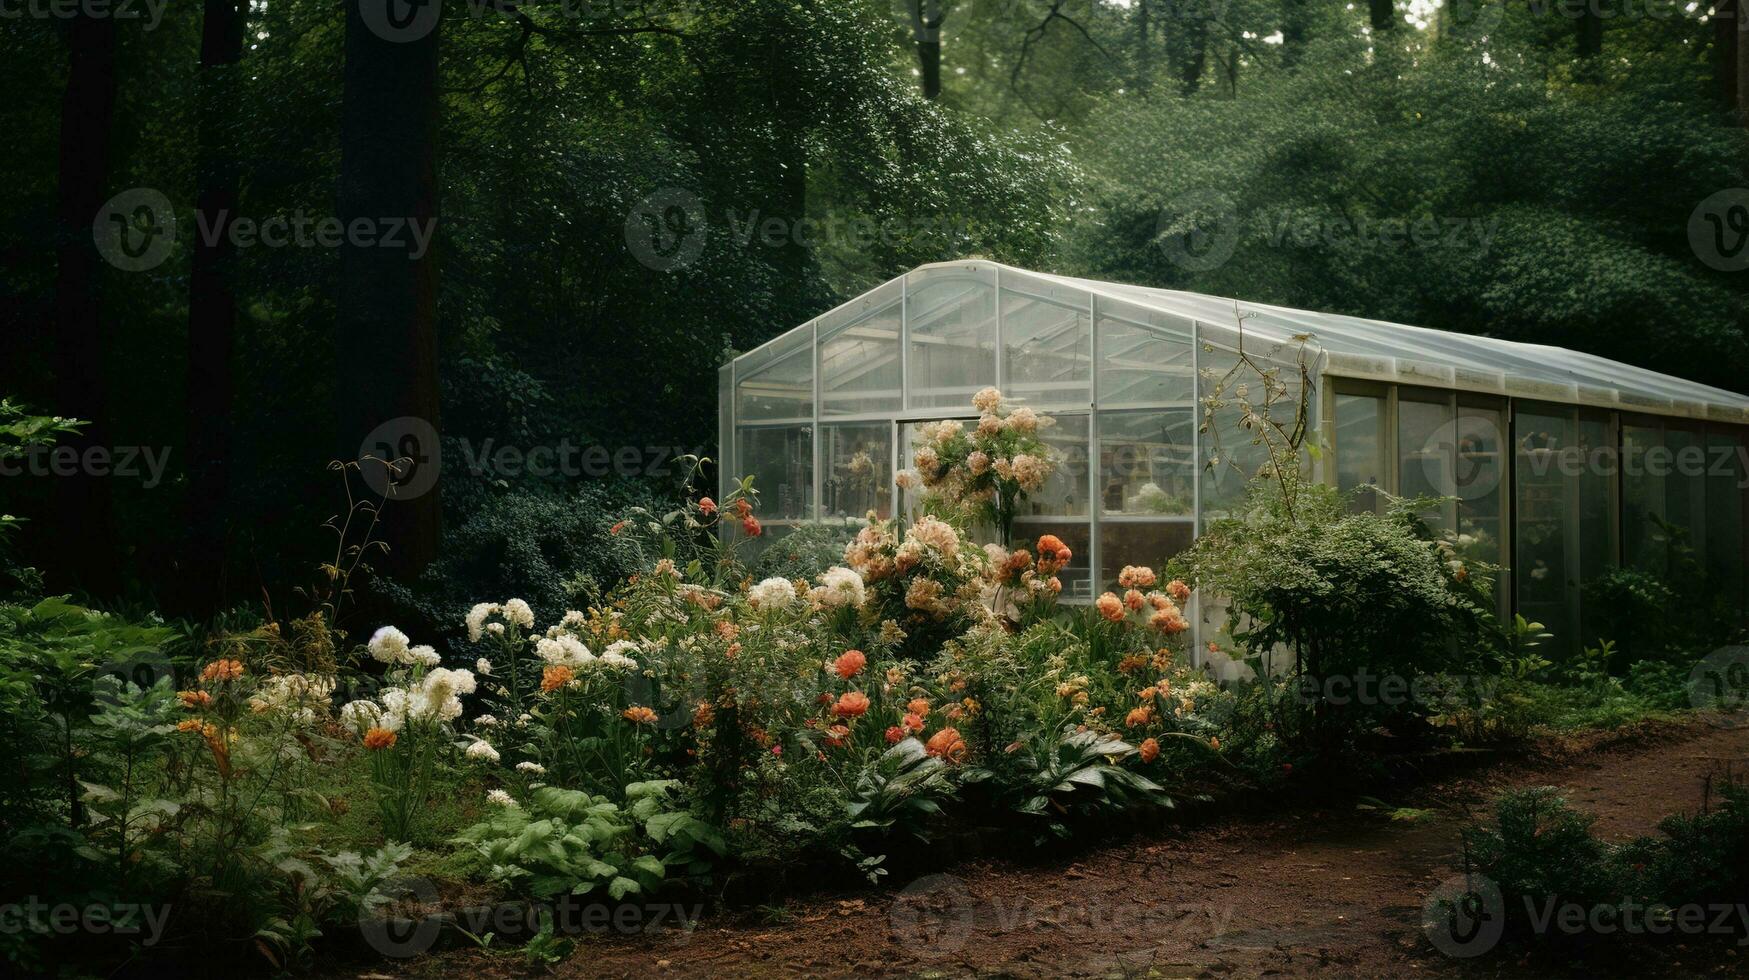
{"points": [[859, 346]]}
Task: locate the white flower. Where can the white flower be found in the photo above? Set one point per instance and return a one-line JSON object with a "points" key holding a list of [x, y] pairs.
{"points": [[776, 592], [565, 650], [616, 655], [298, 694], [518, 613], [477, 619], [483, 667], [500, 798], [496, 629], [389, 645], [394, 713], [486, 721], [359, 717], [987, 400], [841, 587], [532, 768], [424, 656], [481, 750]]}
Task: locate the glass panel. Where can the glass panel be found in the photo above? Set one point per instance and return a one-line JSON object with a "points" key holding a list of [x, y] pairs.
{"points": [[1047, 356], [780, 388], [1148, 543], [1724, 517], [1685, 494], [1427, 454], [1233, 455], [1065, 493], [859, 365], [1593, 484], [953, 338], [858, 470], [1646, 462], [781, 460], [1544, 522], [1145, 365], [1479, 481], [1360, 452], [1147, 462]]}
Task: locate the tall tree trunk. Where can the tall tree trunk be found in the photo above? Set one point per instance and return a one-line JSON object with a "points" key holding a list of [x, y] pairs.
{"points": [[386, 322], [1589, 39], [1727, 32], [212, 310], [1383, 15], [1187, 50], [1144, 48], [926, 19], [85, 555], [1295, 29]]}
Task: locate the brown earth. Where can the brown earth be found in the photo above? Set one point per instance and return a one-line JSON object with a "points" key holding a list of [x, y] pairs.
{"points": [[1329, 890]]}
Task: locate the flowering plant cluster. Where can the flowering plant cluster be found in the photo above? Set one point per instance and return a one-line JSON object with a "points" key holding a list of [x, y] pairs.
{"points": [[983, 474], [928, 581]]}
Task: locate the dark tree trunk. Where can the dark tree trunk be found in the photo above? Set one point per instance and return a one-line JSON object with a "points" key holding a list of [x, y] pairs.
{"points": [[1589, 29], [85, 556], [1144, 48], [386, 320], [926, 19], [1383, 15], [1726, 34], [1295, 28], [212, 310], [1188, 51]]}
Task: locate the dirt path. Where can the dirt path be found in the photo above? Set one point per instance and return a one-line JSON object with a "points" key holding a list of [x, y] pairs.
{"points": [[1323, 891]]}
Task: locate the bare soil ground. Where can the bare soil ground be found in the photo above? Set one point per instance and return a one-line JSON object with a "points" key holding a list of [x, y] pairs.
{"points": [[1330, 889]]}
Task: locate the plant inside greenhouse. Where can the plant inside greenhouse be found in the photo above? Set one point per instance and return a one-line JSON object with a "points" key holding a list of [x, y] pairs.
{"points": [[926, 488]]}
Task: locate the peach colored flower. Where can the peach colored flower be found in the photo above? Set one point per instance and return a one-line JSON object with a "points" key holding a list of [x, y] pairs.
{"points": [[851, 704], [947, 744], [707, 507], [850, 663], [379, 738], [194, 700], [614, 530], [895, 734], [1178, 589], [913, 722], [1133, 601], [918, 707], [1110, 606], [1138, 717], [222, 670], [1149, 750], [555, 676], [750, 527], [1136, 577], [837, 736], [637, 714]]}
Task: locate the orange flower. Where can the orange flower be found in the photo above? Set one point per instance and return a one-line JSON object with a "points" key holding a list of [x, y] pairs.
{"points": [[1110, 607], [895, 735], [837, 736], [614, 530], [222, 670], [1149, 750], [750, 527], [1132, 663], [852, 704], [918, 707], [1215, 743], [1139, 717], [1178, 589], [743, 508], [850, 663], [195, 700], [555, 676], [947, 744], [1133, 601], [1136, 577], [726, 629], [637, 714], [189, 725], [1169, 621], [707, 507], [378, 738], [704, 715], [913, 723]]}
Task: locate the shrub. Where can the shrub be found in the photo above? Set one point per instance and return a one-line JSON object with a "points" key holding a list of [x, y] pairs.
{"points": [[804, 553]]}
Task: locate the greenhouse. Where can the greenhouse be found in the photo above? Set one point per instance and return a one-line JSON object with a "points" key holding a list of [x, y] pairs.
{"points": [[1558, 466]]}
